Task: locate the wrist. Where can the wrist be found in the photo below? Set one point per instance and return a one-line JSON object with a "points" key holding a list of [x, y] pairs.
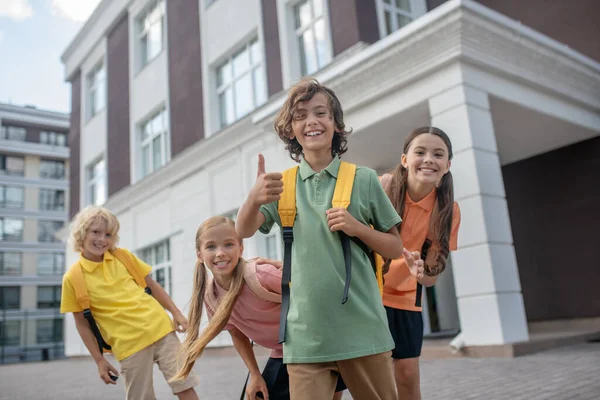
{"points": [[98, 359]]}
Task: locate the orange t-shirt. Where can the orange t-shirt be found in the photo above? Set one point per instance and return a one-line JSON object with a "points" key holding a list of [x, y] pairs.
{"points": [[400, 288]]}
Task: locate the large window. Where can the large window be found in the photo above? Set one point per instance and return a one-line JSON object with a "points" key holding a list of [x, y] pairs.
{"points": [[12, 165], [13, 133], [52, 169], [10, 263], [241, 84], [49, 330], [394, 14], [53, 138], [155, 147], [47, 229], [159, 257], [151, 25], [96, 83], [10, 297], [11, 196], [311, 36], [48, 296], [52, 199], [96, 183], [10, 333], [11, 229], [50, 264]]}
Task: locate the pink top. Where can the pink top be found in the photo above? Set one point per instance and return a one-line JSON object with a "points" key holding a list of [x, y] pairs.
{"points": [[256, 318]]}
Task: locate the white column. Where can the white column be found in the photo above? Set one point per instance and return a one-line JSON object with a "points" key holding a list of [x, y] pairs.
{"points": [[486, 276]]}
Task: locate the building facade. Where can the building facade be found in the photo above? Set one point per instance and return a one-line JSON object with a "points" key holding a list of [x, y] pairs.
{"points": [[173, 100], [34, 193]]}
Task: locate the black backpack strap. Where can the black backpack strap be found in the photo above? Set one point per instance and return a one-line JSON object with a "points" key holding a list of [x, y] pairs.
{"points": [[87, 314], [288, 239], [424, 249], [348, 264]]}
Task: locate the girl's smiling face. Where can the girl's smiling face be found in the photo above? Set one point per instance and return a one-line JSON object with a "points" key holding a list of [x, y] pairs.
{"points": [[220, 250], [427, 159]]}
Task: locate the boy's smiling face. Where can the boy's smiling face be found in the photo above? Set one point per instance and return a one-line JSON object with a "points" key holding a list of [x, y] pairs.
{"points": [[313, 125], [97, 240]]}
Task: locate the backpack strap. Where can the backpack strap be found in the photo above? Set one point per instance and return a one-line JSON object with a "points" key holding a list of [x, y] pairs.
{"points": [[254, 284], [133, 267], [83, 299], [341, 199], [287, 214]]}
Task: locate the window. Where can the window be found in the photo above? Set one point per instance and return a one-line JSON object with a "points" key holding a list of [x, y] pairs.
{"points": [[159, 257], [48, 296], [154, 143], [10, 297], [47, 229], [11, 229], [150, 30], [52, 169], [53, 138], [394, 14], [49, 330], [12, 165], [96, 185], [11, 196], [13, 133], [10, 264], [52, 199], [311, 37], [96, 83], [10, 333], [50, 264], [241, 84]]}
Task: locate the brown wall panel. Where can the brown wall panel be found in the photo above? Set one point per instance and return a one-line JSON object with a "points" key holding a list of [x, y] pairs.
{"points": [[74, 143], [117, 112], [352, 21], [553, 204], [272, 51], [185, 74]]}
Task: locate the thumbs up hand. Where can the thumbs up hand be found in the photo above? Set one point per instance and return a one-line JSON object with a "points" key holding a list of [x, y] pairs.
{"points": [[268, 186]]}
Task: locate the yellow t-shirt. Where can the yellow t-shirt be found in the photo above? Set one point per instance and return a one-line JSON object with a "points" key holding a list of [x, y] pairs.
{"points": [[128, 318]]}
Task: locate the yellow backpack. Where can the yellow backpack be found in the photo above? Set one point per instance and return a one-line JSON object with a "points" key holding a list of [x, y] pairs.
{"points": [[287, 214], [82, 296]]}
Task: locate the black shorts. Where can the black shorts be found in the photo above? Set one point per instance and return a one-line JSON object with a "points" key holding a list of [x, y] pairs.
{"points": [[406, 328], [278, 381]]}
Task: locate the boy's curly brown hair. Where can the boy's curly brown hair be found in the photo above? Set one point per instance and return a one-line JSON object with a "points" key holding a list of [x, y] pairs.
{"points": [[305, 91]]}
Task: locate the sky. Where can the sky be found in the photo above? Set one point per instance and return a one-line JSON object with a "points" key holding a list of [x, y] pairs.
{"points": [[33, 36]]}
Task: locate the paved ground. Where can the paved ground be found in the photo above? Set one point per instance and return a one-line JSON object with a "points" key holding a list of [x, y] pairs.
{"points": [[567, 373]]}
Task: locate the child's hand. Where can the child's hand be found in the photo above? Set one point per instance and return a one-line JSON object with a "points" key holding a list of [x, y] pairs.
{"points": [[180, 322], [257, 385], [339, 219], [268, 187], [259, 260], [105, 370], [415, 265]]}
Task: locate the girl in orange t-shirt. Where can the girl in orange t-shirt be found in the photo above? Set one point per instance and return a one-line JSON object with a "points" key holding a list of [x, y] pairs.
{"points": [[421, 190]]}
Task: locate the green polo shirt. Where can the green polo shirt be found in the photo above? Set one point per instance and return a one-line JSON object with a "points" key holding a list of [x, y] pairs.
{"points": [[319, 327]]}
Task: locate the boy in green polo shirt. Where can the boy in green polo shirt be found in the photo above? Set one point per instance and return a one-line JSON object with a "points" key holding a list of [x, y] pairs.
{"points": [[132, 322], [324, 337]]}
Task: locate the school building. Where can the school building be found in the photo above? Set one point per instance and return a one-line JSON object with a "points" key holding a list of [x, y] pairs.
{"points": [[173, 100], [34, 192]]}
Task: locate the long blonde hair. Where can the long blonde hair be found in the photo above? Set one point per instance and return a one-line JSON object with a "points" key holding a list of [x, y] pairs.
{"points": [[194, 343]]}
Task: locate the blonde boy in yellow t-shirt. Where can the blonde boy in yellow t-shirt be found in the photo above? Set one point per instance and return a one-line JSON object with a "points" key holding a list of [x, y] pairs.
{"points": [[132, 322]]}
